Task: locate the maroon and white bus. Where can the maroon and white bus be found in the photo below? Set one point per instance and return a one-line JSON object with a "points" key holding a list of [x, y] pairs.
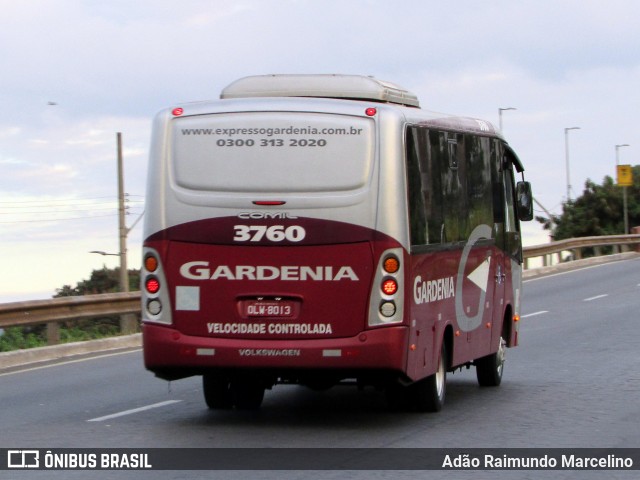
{"points": [[318, 229]]}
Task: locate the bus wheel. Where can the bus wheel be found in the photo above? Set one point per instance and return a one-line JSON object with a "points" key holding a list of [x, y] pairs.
{"points": [[429, 394], [248, 394], [217, 392], [489, 369]]}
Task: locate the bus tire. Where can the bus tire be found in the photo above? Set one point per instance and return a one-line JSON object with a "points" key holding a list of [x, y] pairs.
{"points": [[429, 393], [218, 394], [489, 369], [248, 394]]}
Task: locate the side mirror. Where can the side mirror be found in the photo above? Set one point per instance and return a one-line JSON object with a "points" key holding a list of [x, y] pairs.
{"points": [[524, 201]]}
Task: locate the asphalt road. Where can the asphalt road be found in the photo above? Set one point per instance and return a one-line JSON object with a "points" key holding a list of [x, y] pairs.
{"points": [[574, 381]]}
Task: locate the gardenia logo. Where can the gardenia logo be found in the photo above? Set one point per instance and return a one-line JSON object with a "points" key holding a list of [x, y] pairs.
{"points": [[202, 270]]}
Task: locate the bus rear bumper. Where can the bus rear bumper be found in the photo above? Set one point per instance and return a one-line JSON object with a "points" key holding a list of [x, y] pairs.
{"points": [[171, 354]]}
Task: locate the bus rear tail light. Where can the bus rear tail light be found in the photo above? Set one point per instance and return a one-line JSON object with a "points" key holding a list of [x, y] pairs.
{"points": [[152, 285], [389, 286], [388, 309], [154, 306], [387, 297], [155, 297], [151, 263], [391, 264]]}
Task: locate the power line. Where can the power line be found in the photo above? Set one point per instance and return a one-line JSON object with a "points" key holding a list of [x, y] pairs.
{"points": [[56, 208], [65, 205], [48, 202], [49, 211], [61, 203], [53, 220]]}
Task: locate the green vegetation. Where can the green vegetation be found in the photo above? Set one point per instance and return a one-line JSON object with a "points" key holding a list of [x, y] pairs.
{"points": [[15, 338], [598, 211], [101, 281]]}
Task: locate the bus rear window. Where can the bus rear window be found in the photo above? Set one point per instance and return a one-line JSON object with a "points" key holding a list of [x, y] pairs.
{"points": [[272, 152]]}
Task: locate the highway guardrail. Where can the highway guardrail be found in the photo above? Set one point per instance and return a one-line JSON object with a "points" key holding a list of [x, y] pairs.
{"points": [[62, 309], [621, 243]]}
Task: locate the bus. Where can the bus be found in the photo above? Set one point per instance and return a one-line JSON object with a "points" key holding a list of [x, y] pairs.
{"points": [[324, 229]]}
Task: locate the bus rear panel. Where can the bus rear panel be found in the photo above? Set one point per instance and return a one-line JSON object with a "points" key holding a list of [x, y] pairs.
{"points": [[278, 246]]}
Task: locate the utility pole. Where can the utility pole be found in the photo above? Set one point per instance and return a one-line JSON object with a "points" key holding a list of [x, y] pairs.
{"points": [[127, 321], [122, 229]]}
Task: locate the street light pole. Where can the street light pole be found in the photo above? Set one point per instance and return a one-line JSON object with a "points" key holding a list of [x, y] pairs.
{"points": [[500, 110], [566, 155], [624, 191]]}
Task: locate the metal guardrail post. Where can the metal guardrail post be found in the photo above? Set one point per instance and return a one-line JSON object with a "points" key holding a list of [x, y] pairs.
{"points": [[53, 333]]}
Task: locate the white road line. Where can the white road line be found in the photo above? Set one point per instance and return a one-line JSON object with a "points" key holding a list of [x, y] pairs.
{"points": [[596, 297], [534, 314], [134, 410]]}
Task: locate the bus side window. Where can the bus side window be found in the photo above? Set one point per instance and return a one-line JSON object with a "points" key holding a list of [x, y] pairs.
{"points": [[497, 161], [511, 225], [416, 195], [478, 192], [427, 157], [436, 161], [509, 193]]}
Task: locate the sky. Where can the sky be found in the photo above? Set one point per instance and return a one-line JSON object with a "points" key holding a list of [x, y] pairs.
{"points": [[73, 73]]}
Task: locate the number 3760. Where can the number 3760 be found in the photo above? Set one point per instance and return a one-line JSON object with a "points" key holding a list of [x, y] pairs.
{"points": [[274, 233]]}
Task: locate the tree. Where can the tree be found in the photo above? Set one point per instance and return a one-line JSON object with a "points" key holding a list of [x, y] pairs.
{"points": [[101, 281], [598, 211]]}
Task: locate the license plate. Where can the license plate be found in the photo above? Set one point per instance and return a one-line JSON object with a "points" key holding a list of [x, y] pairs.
{"points": [[268, 308]]}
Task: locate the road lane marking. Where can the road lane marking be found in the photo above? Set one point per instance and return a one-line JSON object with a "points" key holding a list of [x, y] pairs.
{"points": [[134, 410], [534, 314], [596, 297]]}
